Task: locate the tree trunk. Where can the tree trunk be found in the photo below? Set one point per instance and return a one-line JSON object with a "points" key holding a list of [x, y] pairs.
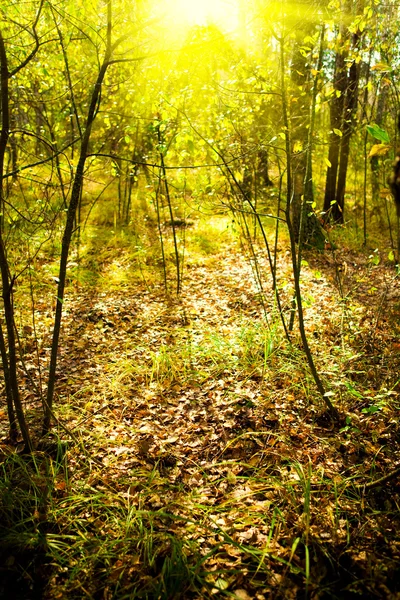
{"points": [[69, 226], [295, 265], [13, 431], [299, 75], [10, 364], [331, 209], [380, 110], [348, 127], [306, 226], [342, 110]]}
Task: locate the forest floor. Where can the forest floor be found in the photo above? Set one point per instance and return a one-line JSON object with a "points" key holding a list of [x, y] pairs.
{"points": [[199, 459]]}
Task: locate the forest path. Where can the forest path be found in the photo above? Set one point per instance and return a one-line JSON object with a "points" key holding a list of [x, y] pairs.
{"points": [[184, 392], [194, 407]]}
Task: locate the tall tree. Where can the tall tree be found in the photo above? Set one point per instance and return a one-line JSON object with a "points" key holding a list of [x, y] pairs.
{"points": [[306, 65], [71, 212], [343, 107], [8, 347]]}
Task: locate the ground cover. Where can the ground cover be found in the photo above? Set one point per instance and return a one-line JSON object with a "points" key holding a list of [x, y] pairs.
{"points": [[192, 457]]}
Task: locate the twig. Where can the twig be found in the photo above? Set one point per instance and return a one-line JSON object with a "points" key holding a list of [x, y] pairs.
{"points": [[380, 481]]}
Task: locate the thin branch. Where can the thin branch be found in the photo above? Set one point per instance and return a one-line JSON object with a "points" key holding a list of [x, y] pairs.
{"points": [[40, 162], [172, 167], [380, 481], [37, 43]]}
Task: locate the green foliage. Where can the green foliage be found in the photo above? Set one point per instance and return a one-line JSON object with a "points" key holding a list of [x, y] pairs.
{"points": [[378, 133], [198, 128]]}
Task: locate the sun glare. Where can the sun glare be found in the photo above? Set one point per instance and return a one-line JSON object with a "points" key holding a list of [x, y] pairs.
{"points": [[222, 13]]}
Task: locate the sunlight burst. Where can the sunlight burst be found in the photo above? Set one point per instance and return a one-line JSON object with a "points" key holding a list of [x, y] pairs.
{"points": [[222, 13]]}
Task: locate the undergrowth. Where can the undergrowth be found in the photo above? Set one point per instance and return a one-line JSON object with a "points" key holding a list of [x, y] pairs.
{"points": [[192, 457]]}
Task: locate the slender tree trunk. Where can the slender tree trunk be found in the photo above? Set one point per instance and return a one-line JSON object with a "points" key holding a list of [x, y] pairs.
{"points": [[305, 224], [170, 210], [366, 116], [336, 107], [310, 227], [10, 405], [380, 111], [13, 150], [10, 367], [69, 226], [296, 274], [348, 127], [299, 74]]}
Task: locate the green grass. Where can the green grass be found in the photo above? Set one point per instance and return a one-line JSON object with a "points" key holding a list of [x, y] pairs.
{"points": [[196, 357], [144, 535]]}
